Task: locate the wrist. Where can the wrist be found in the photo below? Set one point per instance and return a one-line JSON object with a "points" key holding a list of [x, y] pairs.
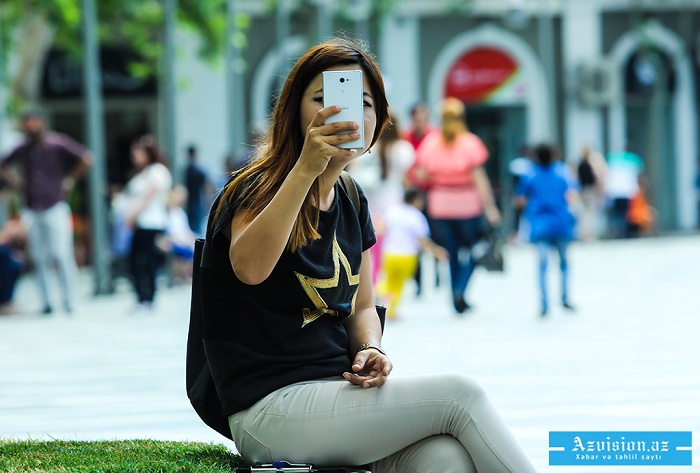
{"points": [[370, 346]]}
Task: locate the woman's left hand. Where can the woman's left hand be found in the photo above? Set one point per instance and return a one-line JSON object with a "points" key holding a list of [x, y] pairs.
{"points": [[371, 368]]}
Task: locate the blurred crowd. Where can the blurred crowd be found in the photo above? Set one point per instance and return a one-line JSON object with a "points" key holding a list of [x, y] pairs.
{"points": [[426, 184]]}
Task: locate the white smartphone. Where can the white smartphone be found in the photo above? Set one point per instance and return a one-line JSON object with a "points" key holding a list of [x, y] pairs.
{"points": [[345, 89]]}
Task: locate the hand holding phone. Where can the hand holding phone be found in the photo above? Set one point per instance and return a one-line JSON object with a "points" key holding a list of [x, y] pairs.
{"points": [[345, 89]]}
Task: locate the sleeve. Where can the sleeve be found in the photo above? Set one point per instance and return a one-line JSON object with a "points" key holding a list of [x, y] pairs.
{"points": [[423, 226], [218, 222], [72, 151], [477, 150], [161, 177], [10, 158], [369, 236], [521, 189], [221, 214]]}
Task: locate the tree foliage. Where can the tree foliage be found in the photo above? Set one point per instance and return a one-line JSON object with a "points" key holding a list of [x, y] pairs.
{"points": [[133, 24]]}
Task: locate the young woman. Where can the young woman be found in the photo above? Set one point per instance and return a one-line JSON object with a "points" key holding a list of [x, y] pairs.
{"points": [[147, 192], [298, 364]]}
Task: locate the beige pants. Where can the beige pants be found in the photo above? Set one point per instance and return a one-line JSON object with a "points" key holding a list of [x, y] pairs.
{"points": [[427, 424]]}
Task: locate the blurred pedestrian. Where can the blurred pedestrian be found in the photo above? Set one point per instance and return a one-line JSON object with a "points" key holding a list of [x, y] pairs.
{"points": [[406, 233], [449, 164], [147, 191], [178, 241], [590, 173], [546, 196], [624, 169], [382, 176], [12, 236], [196, 183], [44, 168], [520, 168], [420, 125]]}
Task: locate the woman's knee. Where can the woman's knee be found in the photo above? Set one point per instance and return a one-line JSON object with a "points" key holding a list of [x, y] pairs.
{"points": [[460, 387]]}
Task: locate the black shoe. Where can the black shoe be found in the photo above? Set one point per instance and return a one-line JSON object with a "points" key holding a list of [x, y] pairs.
{"points": [[460, 304], [568, 306], [47, 310], [543, 312]]}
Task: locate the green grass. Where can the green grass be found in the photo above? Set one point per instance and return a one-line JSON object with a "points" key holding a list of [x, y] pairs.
{"points": [[119, 456]]}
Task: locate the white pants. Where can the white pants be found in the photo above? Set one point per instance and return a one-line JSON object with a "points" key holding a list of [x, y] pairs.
{"points": [[427, 424], [50, 238]]}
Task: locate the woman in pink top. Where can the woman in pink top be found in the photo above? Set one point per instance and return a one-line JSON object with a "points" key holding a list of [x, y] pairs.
{"points": [[449, 165]]}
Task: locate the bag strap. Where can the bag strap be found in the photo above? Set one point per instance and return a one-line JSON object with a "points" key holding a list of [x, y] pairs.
{"points": [[350, 187]]}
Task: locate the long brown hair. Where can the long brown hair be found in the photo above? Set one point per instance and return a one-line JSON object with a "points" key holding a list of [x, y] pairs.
{"points": [[389, 137], [150, 147], [257, 182], [453, 115]]}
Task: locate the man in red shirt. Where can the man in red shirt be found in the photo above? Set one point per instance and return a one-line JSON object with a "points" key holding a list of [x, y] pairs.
{"points": [[420, 125]]}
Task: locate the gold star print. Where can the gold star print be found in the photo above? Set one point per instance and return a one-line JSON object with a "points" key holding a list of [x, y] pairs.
{"points": [[312, 285]]}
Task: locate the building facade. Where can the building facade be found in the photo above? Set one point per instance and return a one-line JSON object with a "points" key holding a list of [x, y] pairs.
{"points": [[611, 74], [606, 73]]}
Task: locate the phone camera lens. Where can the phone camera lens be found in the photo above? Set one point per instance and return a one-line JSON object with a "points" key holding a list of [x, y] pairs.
{"points": [[342, 79]]}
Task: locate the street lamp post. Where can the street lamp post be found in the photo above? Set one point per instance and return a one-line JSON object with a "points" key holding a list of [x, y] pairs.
{"points": [[545, 30], [95, 133], [169, 86], [2, 87], [234, 83], [324, 20]]}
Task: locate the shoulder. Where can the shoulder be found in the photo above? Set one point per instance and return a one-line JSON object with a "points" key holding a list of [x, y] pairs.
{"points": [[470, 139], [159, 172], [403, 148], [432, 141], [56, 138]]}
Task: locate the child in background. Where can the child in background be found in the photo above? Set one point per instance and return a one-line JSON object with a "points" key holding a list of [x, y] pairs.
{"points": [[546, 196], [407, 232], [179, 238]]}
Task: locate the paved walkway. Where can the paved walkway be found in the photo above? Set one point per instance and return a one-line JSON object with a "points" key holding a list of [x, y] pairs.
{"points": [[627, 360]]}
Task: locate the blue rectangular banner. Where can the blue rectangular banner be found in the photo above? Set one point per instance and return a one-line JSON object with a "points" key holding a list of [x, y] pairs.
{"points": [[621, 448]]}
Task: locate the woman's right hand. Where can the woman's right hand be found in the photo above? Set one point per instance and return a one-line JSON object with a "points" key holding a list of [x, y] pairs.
{"points": [[322, 140]]}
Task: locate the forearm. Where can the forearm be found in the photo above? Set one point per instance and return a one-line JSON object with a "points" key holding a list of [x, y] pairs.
{"points": [[10, 177], [81, 168], [483, 187], [139, 207], [257, 246], [364, 326]]}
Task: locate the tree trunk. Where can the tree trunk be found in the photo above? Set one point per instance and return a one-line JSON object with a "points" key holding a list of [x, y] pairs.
{"points": [[33, 42]]}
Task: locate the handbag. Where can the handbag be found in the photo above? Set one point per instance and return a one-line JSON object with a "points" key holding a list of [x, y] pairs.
{"points": [[488, 250], [210, 301]]}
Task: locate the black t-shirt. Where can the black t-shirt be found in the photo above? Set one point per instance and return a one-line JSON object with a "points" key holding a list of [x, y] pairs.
{"points": [[289, 328]]}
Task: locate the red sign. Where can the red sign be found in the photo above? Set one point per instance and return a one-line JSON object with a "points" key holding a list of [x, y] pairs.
{"points": [[478, 73]]}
